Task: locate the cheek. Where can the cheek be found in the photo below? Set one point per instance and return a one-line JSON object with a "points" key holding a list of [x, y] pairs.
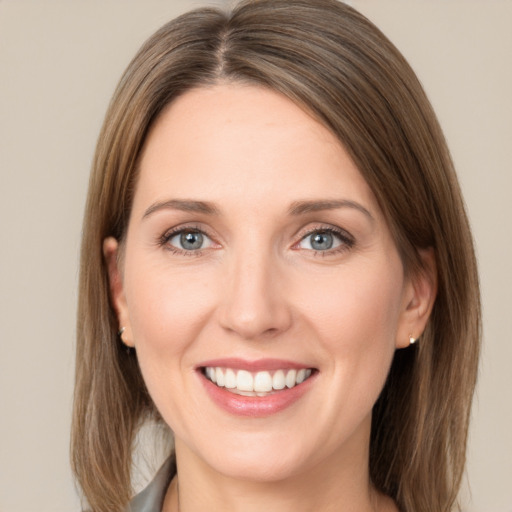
{"points": [[356, 307], [167, 309], [356, 331], [356, 327]]}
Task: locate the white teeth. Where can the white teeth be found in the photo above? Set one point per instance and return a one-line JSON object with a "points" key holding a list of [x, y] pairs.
{"points": [[261, 383], [210, 373], [230, 379], [291, 377], [244, 381], [219, 377], [278, 380], [243, 393], [301, 375]]}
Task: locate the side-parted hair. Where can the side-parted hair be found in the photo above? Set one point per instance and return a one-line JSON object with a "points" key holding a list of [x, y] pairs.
{"points": [[335, 64]]}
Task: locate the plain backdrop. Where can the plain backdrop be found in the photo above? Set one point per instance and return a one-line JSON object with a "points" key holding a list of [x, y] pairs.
{"points": [[59, 64]]}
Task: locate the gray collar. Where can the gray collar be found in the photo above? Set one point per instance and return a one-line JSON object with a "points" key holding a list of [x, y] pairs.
{"points": [[151, 499]]}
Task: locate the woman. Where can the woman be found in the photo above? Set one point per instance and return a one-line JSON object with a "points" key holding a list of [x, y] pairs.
{"points": [[276, 264]]}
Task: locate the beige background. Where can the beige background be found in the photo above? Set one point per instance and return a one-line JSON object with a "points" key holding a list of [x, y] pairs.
{"points": [[59, 63]]}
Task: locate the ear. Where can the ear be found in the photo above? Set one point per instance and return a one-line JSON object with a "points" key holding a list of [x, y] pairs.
{"points": [[420, 290], [117, 295]]}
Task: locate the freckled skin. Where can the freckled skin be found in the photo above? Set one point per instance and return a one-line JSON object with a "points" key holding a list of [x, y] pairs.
{"points": [[257, 289]]}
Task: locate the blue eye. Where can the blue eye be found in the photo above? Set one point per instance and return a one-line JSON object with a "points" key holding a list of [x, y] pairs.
{"points": [[189, 240], [323, 240]]}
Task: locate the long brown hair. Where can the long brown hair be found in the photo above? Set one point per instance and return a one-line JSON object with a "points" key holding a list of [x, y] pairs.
{"points": [[333, 62]]}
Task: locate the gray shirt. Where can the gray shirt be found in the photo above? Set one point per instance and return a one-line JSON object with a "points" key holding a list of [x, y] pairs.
{"points": [[151, 499]]}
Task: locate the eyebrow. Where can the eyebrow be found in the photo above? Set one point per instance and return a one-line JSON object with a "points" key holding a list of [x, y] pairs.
{"points": [[184, 205], [297, 208], [304, 207]]}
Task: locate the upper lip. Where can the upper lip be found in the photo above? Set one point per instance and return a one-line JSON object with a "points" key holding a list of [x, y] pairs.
{"points": [[257, 365]]}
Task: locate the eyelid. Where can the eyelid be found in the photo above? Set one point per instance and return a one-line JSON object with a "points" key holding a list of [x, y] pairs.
{"points": [[169, 234], [347, 239]]}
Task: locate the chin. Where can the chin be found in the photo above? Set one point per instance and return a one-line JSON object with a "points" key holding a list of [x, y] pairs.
{"points": [[260, 467], [259, 459]]}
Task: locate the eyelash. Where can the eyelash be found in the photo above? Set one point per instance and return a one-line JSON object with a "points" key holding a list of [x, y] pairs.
{"points": [[347, 241], [169, 235]]}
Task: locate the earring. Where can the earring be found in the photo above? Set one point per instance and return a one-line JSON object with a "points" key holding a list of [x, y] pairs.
{"points": [[126, 347], [412, 339]]}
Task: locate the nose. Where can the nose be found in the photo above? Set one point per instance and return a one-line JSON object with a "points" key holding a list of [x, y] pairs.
{"points": [[255, 303]]}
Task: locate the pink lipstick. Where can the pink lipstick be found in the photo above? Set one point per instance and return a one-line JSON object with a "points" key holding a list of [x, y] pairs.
{"points": [[255, 388]]}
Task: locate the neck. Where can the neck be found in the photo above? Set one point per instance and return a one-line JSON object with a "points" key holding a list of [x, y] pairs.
{"points": [[342, 486]]}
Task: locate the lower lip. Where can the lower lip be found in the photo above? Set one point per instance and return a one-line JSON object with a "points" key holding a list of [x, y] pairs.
{"points": [[255, 406]]}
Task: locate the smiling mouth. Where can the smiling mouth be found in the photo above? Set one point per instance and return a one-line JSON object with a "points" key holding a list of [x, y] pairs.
{"points": [[262, 383]]}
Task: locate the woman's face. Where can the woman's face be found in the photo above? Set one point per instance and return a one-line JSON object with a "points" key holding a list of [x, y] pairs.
{"points": [[256, 256]]}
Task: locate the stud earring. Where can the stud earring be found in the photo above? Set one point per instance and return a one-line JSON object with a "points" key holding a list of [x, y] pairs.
{"points": [[126, 347], [412, 339]]}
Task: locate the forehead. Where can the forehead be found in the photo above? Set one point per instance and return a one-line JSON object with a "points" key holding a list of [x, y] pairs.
{"points": [[248, 142]]}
